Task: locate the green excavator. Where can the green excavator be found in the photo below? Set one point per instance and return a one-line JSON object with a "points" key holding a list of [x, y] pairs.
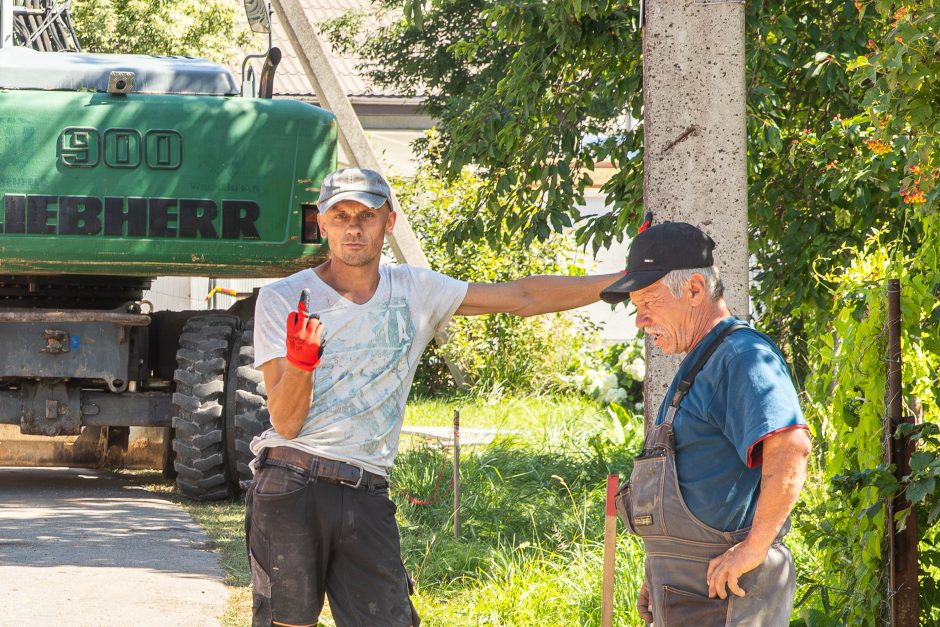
{"points": [[115, 170]]}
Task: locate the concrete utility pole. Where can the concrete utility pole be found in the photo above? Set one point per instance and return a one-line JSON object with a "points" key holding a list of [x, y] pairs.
{"points": [[6, 23], [695, 159], [316, 63]]}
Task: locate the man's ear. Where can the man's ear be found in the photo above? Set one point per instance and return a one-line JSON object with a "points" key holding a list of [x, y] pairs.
{"points": [[391, 222], [698, 289]]}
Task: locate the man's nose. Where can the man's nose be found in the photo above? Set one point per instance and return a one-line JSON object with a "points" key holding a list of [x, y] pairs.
{"points": [[642, 320]]}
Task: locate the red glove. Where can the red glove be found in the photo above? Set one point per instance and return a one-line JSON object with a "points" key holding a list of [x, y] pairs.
{"points": [[303, 336]]}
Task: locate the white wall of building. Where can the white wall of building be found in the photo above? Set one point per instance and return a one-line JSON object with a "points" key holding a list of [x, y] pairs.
{"points": [[614, 322], [189, 293]]}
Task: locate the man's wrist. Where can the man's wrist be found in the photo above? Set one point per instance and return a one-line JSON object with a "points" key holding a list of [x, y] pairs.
{"points": [[759, 540], [298, 366]]}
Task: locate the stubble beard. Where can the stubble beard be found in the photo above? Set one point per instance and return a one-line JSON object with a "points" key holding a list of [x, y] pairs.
{"points": [[358, 259]]}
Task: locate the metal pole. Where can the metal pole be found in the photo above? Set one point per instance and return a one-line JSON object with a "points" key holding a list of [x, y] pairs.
{"points": [[456, 473], [903, 593], [610, 552], [6, 23]]}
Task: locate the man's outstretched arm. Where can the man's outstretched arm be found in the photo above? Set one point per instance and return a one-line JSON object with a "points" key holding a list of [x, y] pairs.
{"points": [[534, 295]]}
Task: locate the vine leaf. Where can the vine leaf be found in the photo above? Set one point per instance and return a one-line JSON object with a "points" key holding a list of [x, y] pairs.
{"points": [[917, 490]]}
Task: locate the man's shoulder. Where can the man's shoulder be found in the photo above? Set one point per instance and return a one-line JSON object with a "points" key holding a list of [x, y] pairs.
{"points": [[417, 277], [406, 269], [750, 350], [742, 348]]}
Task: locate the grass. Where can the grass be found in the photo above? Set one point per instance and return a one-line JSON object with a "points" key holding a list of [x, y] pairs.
{"points": [[531, 543]]}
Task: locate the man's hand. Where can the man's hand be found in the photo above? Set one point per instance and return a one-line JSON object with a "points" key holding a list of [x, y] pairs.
{"points": [[730, 566], [643, 605], [304, 335]]}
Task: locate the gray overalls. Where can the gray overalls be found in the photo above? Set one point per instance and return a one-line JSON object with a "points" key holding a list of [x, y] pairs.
{"points": [[679, 546]]}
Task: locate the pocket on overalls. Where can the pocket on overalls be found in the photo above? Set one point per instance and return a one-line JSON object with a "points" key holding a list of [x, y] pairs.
{"points": [[683, 608], [644, 505]]}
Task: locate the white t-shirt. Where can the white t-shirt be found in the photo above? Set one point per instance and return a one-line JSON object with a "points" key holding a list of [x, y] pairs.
{"points": [[370, 355]]}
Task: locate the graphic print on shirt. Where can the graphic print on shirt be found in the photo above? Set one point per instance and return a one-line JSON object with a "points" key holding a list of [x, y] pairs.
{"points": [[356, 385]]}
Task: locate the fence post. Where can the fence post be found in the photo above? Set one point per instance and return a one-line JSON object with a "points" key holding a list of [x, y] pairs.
{"points": [[456, 473], [903, 590]]}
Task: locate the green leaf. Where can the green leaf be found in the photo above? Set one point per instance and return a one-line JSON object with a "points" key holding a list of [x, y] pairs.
{"points": [[921, 459], [917, 490], [872, 511], [858, 62]]}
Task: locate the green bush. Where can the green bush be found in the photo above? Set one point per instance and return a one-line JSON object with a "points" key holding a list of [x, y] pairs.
{"points": [[499, 353], [213, 29]]}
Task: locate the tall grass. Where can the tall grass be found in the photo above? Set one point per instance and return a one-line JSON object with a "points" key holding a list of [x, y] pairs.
{"points": [[532, 517]]}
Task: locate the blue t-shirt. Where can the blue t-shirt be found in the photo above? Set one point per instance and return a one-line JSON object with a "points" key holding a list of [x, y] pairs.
{"points": [[743, 394]]}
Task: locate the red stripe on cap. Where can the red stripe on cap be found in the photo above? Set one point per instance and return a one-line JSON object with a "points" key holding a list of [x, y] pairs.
{"points": [[612, 481], [643, 227], [753, 461]]}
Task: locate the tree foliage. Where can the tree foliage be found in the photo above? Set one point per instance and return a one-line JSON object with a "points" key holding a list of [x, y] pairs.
{"points": [[900, 79], [536, 94], [212, 29]]}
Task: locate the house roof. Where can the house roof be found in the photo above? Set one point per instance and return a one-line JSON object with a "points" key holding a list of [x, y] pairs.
{"points": [[290, 78]]}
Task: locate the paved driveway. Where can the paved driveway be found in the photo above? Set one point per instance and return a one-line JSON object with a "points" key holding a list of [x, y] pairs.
{"points": [[80, 548]]}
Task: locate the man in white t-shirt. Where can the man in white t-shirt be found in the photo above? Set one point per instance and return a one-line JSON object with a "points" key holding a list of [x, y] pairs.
{"points": [[338, 370]]}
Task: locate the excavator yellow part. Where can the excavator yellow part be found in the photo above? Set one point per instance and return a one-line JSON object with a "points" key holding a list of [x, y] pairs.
{"points": [[147, 447]]}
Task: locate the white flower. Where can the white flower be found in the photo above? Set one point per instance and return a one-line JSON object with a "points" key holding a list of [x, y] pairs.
{"points": [[593, 381], [608, 382], [615, 395], [636, 370], [624, 360]]}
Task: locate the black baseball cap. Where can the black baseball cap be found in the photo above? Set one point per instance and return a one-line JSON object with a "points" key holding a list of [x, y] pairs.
{"points": [[656, 252]]}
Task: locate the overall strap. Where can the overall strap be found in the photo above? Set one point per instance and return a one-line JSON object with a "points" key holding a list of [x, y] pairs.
{"points": [[686, 382]]}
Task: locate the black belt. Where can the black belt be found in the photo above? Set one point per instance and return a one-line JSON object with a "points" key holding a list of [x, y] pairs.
{"points": [[322, 468]]}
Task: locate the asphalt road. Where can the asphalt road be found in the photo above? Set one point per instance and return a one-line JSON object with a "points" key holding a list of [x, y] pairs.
{"points": [[81, 548]]}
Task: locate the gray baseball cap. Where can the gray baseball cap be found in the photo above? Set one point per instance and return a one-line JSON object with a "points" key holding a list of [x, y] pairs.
{"points": [[364, 186]]}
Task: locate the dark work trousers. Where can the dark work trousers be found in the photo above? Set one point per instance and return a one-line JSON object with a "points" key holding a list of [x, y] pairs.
{"points": [[308, 537]]}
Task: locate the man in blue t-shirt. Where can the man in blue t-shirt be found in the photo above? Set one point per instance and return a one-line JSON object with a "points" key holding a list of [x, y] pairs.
{"points": [[725, 461]]}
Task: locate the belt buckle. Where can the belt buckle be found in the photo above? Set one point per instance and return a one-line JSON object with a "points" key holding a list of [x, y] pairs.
{"points": [[362, 473]]}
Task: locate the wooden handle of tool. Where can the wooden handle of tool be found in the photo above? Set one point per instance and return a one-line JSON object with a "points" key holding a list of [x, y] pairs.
{"points": [[610, 551]]}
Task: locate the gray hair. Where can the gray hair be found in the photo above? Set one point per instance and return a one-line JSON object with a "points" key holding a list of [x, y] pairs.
{"points": [[676, 281]]}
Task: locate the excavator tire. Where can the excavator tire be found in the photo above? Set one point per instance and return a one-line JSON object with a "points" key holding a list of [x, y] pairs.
{"points": [[199, 414], [246, 407]]}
